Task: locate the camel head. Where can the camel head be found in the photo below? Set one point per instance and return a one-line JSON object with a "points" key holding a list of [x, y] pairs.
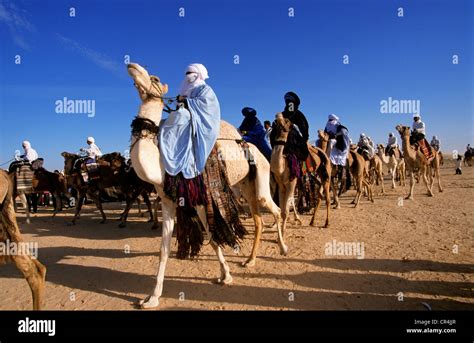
{"points": [[69, 160], [282, 128], [114, 160], [323, 136], [403, 130], [148, 86]]}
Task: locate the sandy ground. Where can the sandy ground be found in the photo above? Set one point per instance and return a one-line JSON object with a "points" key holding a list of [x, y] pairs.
{"points": [[408, 260]]}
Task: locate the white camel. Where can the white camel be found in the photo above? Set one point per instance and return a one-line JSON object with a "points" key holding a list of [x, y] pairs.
{"points": [[390, 161], [145, 156]]}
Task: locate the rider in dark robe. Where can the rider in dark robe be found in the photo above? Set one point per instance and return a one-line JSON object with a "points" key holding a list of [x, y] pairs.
{"points": [[253, 131], [298, 136]]}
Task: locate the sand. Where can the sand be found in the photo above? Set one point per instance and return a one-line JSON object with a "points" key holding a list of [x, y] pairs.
{"points": [[415, 255]]}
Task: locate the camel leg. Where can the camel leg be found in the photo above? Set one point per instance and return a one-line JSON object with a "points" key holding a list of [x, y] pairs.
{"points": [[437, 174], [24, 202], [380, 176], [169, 212], [35, 274], [98, 203], [425, 181], [295, 211], [412, 185], [59, 203], [318, 203], [226, 278], [146, 198], [334, 182], [155, 213], [80, 201], [130, 199], [392, 172]]}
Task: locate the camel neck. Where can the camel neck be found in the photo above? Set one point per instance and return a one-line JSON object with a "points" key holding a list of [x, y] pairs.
{"points": [[277, 161], [152, 110], [407, 150]]}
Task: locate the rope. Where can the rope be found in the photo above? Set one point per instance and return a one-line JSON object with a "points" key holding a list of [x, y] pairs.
{"points": [[7, 162]]}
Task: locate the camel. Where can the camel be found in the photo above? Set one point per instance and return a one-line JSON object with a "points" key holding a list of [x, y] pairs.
{"points": [[324, 146], [281, 171], [145, 156], [376, 171], [415, 162], [31, 268], [43, 181], [390, 161], [359, 169], [112, 169]]}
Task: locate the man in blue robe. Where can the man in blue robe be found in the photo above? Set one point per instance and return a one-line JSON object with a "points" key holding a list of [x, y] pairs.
{"points": [[253, 131], [189, 134]]}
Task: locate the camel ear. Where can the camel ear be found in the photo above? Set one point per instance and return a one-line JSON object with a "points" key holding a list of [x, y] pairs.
{"points": [[165, 88], [64, 154]]}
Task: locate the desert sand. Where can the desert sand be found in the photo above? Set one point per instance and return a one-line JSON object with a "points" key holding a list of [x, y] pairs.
{"points": [[417, 254]]}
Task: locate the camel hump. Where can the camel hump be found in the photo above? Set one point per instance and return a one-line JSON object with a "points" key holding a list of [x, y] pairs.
{"points": [[228, 131]]}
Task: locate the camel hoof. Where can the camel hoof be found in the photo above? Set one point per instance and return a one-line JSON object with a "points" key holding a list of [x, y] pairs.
{"points": [[102, 221], [430, 194], [28, 221], [326, 226], [150, 220], [150, 302], [155, 226], [312, 223], [122, 225], [298, 222], [226, 281], [249, 263], [284, 250]]}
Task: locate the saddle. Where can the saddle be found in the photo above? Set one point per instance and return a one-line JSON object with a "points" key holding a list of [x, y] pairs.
{"points": [[88, 168], [24, 178], [211, 189], [426, 149]]}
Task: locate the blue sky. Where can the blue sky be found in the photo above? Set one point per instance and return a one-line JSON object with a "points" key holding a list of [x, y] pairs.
{"points": [[82, 57]]}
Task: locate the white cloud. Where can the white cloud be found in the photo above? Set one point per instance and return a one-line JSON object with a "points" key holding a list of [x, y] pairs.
{"points": [[17, 22], [96, 57]]}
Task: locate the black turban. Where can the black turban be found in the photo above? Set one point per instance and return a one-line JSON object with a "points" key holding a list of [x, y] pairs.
{"points": [[249, 111]]}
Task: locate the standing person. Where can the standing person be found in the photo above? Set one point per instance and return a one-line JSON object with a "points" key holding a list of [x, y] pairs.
{"points": [[267, 125], [458, 165], [298, 137], [253, 132], [189, 134]]}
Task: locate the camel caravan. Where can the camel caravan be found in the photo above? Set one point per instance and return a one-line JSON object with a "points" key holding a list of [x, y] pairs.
{"points": [[202, 169]]}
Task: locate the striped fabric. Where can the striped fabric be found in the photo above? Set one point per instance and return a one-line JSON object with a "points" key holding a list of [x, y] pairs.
{"points": [[24, 179]]}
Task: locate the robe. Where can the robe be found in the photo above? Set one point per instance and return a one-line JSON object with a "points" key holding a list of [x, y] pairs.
{"points": [[187, 137]]}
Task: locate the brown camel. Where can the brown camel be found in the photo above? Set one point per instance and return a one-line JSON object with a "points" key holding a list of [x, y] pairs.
{"points": [[112, 170], [31, 268], [281, 172], [43, 181], [415, 162], [357, 168]]}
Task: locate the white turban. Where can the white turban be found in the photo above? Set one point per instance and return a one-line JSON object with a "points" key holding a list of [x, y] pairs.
{"points": [[91, 139], [333, 117], [26, 144], [416, 115], [201, 75]]}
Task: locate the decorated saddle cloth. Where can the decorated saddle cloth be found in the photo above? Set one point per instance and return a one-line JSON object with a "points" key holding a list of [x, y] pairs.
{"points": [[211, 189], [426, 149], [24, 178], [309, 179]]}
